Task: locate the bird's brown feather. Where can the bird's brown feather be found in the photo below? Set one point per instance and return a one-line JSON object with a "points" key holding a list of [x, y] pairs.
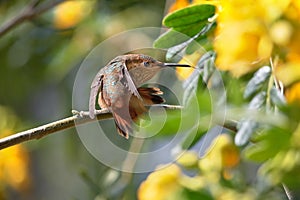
{"points": [[137, 108]]}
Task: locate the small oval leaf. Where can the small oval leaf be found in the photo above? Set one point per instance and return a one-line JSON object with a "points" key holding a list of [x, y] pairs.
{"points": [[245, 131], [191, 29], [276, 97], [267, 144], [257, 101], [169, 39], [257, 81], [189, 15]]}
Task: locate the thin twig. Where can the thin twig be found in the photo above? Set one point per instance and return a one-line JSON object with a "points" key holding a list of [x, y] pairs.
{"points": [[287, 192], [31, 11], [69, 122]]}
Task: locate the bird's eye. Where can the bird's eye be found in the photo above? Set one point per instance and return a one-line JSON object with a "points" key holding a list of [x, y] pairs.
{"points": [[146, 63]]}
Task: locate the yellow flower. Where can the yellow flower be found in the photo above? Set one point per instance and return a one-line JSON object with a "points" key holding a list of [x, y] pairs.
{"points": [[293, 11], [230, 159], [193, 183], [230, 156], [242, 40], [14, 167], [248, 31], [70, 13], [271, 10], [292, 94], [229, 193], [178, 4], [160, 184], [281, 32], [192, 59], [188, 159], [288, 71], [14, 161], [221, 158]]}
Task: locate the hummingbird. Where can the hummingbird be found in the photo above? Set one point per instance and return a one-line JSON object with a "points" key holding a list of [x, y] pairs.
{"points": [[118, 87]]}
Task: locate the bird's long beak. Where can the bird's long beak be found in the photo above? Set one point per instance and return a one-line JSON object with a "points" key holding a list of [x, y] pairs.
{"points": [[175, 65]]}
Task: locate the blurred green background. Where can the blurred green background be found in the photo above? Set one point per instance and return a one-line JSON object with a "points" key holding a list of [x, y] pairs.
{"points": [[39, 59]]}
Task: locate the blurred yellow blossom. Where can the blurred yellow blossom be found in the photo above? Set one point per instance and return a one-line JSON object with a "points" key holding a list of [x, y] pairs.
{"points": [[70, 13], [188, 159], [281, 32], [14, 167], [160, 184], [193, 183], [226, 194], [249, 33], [230, 159], [230, 156], [14, 161], [293, 93], [178, 4], [288, 70], [293, 10], [271, 10], [191, 59], [242, 41], [221, 158]]}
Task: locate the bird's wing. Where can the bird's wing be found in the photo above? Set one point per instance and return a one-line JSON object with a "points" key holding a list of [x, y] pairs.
{"points": [[123, 123], [96, 85], [127, 113], [128, 82]]}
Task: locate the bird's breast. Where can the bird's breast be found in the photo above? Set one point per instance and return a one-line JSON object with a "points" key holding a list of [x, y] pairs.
{"points": [[140, 75]]}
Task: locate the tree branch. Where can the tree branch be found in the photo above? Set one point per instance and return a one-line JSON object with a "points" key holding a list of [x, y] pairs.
{"points": [[78, 118], [30, 12]]}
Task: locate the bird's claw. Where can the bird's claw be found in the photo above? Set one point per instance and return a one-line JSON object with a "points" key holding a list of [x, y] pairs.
{"points": [[78, 113]]}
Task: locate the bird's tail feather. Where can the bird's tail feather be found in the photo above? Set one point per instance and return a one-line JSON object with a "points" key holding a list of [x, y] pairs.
{"points": [[124, 120]]}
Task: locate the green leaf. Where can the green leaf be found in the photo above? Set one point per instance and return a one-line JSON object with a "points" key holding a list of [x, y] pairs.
{"points": [[267, 144], [257, 81], [185, 22], [189, 16], [200, 194], [169, 39], [292, 111], [202, 39], [245, 131], [208, 66], [187, 194], [178, 50], [191, 29], [205, 68], [205, 101], [247, 127], [257, 101], [177, 41], [194, 46], [277, 97], [191, 44], [234, 90]]}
